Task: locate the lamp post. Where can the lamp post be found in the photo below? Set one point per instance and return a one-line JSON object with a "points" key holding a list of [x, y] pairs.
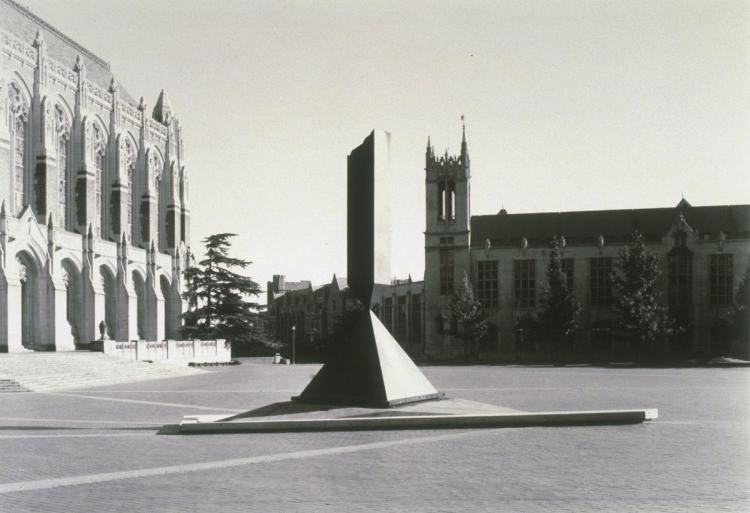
{"points": [[294, 336]]}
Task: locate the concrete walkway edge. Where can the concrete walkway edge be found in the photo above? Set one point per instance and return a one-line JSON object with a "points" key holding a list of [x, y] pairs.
{"points": [[199, 424]]}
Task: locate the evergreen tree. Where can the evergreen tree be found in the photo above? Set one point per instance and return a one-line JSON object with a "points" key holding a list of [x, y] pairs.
{"points": [[219, 299], [468, 314], [639, 307], [559, 309]]}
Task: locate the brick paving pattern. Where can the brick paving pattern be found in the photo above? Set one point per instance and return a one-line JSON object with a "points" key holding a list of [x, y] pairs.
{"points": [[696, 457]]}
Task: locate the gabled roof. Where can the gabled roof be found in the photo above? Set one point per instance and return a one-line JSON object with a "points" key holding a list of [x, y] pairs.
{"points": [[342, 283], [585, 227]]}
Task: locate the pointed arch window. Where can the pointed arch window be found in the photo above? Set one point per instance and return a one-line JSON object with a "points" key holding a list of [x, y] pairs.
{"points": [[450, 201], [157, 167], [62, 131], [99, 148], [130, 170], [18, 116]]}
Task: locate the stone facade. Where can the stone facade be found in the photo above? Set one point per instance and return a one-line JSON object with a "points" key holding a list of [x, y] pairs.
{"points": [[705, 252], [94, 218], [400, 307], [307, 315], [317, 312]]}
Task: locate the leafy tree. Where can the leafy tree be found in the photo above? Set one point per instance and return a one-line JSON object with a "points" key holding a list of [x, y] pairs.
{"points": [[219, 299], [559, 309], [639, 307], [469, 316]]}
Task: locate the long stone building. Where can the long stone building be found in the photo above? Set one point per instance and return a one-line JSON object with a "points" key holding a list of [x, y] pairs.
{"points": [[704, 253], [311, 314], [94, 218]]}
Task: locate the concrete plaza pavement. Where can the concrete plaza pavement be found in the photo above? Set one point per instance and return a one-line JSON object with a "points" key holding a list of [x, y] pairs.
{"points": [[95, 449]]}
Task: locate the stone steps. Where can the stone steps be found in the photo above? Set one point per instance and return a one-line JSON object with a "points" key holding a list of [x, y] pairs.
{"points": [[43, 372]]}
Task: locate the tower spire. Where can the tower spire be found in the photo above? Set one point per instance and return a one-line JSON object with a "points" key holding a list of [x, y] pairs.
{"points": [[464, 146]]}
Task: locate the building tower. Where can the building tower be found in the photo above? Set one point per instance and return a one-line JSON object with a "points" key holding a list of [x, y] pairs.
{"points": [[446, 242]]}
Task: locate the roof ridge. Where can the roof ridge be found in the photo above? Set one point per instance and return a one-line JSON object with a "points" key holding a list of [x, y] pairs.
{"points": [[36, 19], [554, 213]]}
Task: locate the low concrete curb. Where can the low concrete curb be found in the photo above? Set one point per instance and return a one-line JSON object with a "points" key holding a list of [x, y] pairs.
{"points": [[205, 424]]}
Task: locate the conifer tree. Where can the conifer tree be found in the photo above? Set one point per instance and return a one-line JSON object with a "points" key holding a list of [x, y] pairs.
{"points": [[559, 309], [469, 316], [220, 304], [639, 306]]}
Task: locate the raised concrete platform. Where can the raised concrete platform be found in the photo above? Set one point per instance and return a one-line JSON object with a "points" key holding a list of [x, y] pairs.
{"points": [[440, 414]]}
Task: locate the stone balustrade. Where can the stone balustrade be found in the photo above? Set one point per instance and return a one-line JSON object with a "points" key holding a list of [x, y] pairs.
{"points": [[171, 351]]}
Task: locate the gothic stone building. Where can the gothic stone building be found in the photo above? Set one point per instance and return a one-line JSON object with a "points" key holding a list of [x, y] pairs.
{"points": [[94, 219], [312, 314], [704, 252]]}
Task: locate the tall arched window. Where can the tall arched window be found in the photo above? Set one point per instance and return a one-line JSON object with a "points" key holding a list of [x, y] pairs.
{"points": [[130, 169], [18, 116], [62, 132], [441, 200], [99, 147], [450, 201], [158, 175]]}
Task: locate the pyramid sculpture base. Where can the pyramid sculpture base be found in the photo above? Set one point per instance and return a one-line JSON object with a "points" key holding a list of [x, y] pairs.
{"points": [[368, 368], [292, 417]]}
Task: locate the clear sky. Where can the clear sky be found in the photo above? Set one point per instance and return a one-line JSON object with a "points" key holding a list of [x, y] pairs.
{"points": [[569, 105]]}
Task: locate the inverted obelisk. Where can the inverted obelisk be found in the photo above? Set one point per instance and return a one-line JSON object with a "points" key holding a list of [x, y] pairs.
{"points": [[368, 367]]}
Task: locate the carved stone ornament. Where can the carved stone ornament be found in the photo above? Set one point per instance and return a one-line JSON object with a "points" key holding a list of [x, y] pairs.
{"points": [[62, 128], [23, 272], [98, 141], [88, 135], [156, 168], [16, 103], [49, 123], [129, 155]]}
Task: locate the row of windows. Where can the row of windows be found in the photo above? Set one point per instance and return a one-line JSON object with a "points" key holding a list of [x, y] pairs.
{"points": [[408, 318], [19, 129], [680, 279]]}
